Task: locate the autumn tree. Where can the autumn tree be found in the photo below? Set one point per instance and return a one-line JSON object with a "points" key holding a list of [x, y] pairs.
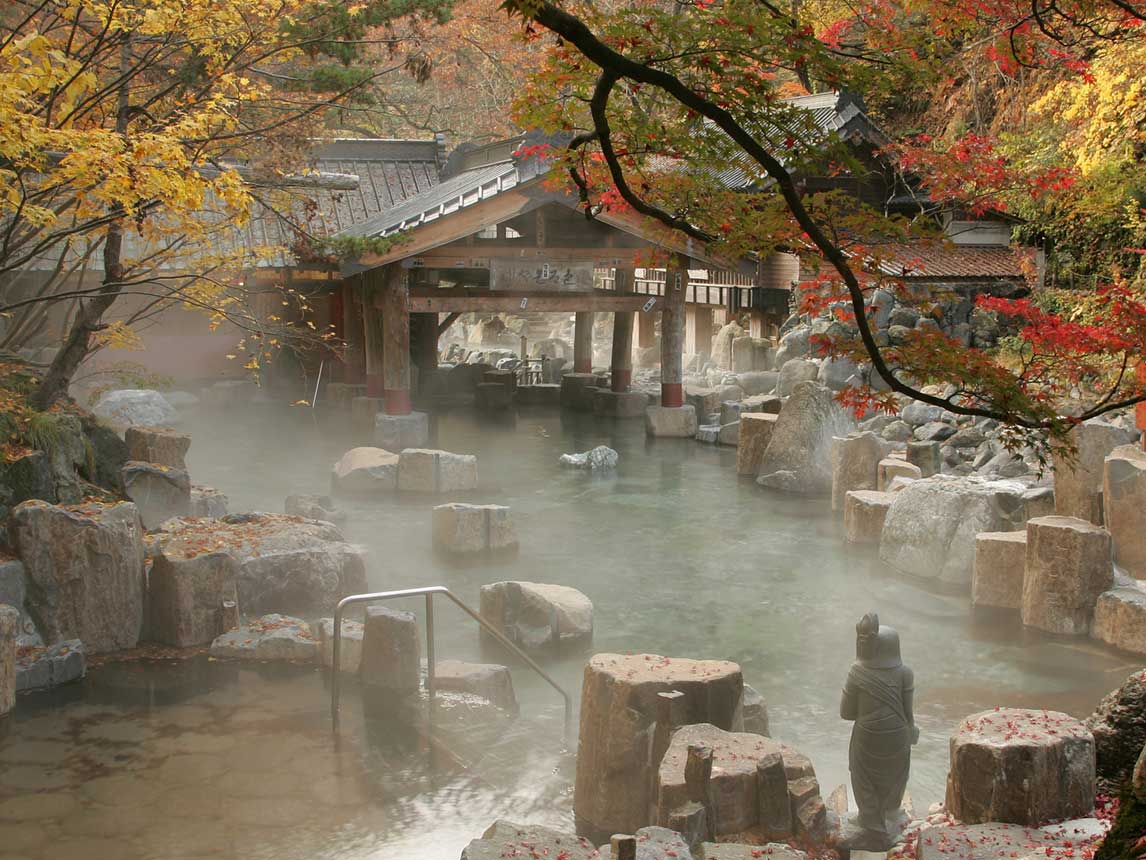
{"points": [[659, 102], [138, 137]]}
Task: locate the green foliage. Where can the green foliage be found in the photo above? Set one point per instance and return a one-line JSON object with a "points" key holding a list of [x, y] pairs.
{"points": [[1123, 842], [334, 249], [339, 30], [43, 431]]}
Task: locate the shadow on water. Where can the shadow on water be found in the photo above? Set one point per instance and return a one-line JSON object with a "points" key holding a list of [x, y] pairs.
{"points": [[679, 557]]}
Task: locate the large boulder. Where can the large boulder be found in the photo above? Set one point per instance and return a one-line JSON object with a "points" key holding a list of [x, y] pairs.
{"points": [[1078, 479], [722, 344], [673, 422], [286, 564], [794, 344], [538, 616], [424, 470], [626, 725], [1120, 618], [1124, 499], [795, 371], [365, 470], [192, 595], [1119, 728], [932, 523], [44, 668], [1068, 567], [1020, 767], [84, 567], [136, 406], [798, 456], [602, 458], [159, 445], [349, 646], [160, 492], [755, 789]]}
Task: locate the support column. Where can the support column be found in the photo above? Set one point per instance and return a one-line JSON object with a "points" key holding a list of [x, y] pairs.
{"points": [[354, 361], [672, 332], [698, 329], [395, 341], [372, 335], [622, 359], [583, 342], [424, 339]]}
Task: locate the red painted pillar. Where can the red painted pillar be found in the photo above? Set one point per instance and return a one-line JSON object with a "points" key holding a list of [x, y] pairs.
{"points": [[622, 358], [672, 332], [395, 301]]}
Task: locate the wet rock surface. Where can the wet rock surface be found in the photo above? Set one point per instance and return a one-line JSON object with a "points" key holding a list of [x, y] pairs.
{"points": [[505, 839], [601, 458], [1119, 728], [797, 458], [272, 637], [41, 668]]}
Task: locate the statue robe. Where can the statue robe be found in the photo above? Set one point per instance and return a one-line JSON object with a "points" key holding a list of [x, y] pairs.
{"points": [[879, 756]]}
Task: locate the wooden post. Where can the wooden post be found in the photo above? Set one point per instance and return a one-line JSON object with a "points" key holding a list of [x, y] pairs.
{"points": [[424, 338], [354, 360], [622, 362], [372, 336], [395, 341], [583, 342], [697, 329], [672, 332], [757, 324]]}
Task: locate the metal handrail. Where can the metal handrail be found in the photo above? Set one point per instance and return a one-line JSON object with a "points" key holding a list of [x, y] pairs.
{"points": [[429, 591]]}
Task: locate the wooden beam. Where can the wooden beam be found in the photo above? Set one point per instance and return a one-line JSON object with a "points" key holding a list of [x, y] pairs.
{"points": [[466, 299], [480, 256], [444, 325]]}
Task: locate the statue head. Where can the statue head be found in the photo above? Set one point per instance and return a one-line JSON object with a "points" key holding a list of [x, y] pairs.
{"points": [[877, 646]]}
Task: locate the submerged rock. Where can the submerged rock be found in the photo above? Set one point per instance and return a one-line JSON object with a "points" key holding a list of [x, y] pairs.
{"points": [[488, 680], [600, 458], [46, 667]]}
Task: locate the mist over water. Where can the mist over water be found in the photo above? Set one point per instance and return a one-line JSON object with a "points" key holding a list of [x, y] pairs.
{"points": [[679, 557]]}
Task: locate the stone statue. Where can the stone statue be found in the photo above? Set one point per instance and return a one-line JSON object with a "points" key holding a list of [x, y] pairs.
{"points": [[878, 697]]}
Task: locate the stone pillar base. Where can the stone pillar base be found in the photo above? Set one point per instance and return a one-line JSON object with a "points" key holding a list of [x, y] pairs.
{"points": [[397, 432], [362, 412], [674, 422], [493, 396], [576, 391], [620, 404], [542, 394]]}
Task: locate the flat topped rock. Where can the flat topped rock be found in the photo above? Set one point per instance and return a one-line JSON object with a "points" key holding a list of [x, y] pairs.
{"points": [[635, 669], [732, 752], [1021, 767], [506, 839], [732, 851], [1018, 726], [980, 842]]}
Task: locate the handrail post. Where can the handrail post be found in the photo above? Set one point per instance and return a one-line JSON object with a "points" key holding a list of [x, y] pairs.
{"points": [[336, 665], [430, 650]]}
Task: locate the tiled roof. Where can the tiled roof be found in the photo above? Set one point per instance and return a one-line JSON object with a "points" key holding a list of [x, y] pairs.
{"points": [[956, 262], [833, 113]]}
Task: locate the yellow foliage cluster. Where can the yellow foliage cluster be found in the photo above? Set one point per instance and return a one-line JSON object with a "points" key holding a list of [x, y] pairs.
{"points": [[1103, 113]]}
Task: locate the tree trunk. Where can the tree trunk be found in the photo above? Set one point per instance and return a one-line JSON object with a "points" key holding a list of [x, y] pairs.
{"points": [[77, 342]]}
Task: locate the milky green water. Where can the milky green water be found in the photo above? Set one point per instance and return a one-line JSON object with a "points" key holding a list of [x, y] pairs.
{"points": [[205, 759]]}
